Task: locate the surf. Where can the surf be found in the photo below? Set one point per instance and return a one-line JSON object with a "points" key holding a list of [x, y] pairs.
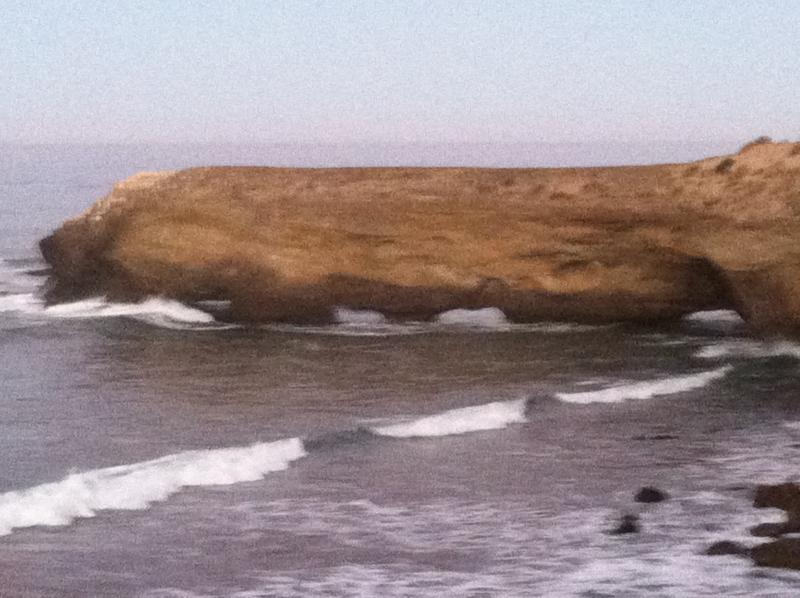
{"points": [[477, 418], [157, 311], [646, 389], [137, 486]]}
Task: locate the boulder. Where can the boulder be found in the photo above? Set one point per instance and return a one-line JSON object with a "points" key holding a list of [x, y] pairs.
{"points": [[784, 496], [649, 494], [775, 530], [726, 547], [783, 553]]}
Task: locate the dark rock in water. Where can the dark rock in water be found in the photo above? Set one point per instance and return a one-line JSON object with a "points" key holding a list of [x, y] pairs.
{"points": [[727, 547], [780, 496], [649, 494], [772, 530], [629, 524], [656, 437], [783, 553], [775, 530]]}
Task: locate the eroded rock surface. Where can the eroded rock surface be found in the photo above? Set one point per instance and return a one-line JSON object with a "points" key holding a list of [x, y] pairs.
{"points": [[593, 244]]}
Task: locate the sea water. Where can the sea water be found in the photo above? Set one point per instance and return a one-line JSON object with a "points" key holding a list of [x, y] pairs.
{"points": [[149, 450]]}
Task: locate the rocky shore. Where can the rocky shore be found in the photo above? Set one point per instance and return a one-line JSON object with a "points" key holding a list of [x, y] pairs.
{"points": [[640, 243]]}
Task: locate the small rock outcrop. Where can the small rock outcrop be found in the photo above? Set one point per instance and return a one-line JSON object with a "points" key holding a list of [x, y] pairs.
{"points": [[649, 494], [725, 548], [775, 530], [783, 553], [628, 524], [638, 243], [784, 496]]}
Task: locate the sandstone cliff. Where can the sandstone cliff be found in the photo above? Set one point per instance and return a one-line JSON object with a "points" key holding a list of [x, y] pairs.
{"points": [[593, 244]]}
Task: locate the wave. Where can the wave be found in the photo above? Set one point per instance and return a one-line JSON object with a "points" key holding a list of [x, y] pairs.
{"points": [[165, 313], [491, 416], [647, 389], [749, 349], [137, 486]]}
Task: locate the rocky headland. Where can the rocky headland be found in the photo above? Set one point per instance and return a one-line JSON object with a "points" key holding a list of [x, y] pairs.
{"points": [[643, 243]]}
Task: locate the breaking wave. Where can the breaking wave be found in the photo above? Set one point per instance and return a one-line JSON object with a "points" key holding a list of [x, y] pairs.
{"points": [[137, 486], [647, 389], [491, 416], [165, 313]]}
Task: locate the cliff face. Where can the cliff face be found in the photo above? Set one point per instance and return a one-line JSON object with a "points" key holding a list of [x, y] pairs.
{"points": [[595, 244]]}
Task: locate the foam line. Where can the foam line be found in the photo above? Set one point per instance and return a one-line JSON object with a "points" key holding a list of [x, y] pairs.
{"points": [[646, 389]]}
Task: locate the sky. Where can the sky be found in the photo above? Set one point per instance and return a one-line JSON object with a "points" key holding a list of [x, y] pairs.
{"points": [[405, 71]]}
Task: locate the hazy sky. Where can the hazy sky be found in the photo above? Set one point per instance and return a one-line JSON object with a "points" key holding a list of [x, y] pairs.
{"points": [[338, 71]]}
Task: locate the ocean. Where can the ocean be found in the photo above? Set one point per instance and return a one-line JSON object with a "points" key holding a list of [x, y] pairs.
{"points": [[149, 450]]}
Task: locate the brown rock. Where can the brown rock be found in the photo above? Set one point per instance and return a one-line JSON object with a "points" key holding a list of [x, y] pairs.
{"points": [[783, 553], [784, 496], [767, 530], [594, 245], [726, 547]]}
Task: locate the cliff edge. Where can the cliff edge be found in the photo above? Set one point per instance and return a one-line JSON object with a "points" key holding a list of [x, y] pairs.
{"points": [[637, 243]]}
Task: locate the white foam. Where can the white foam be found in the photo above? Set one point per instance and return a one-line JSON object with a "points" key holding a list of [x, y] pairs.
{"points": [[354, 317], [26, 303], [715, 316], [487, 317], [748, 348], [646, 389], [137, 486], [166, 313], [491, 416]]}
